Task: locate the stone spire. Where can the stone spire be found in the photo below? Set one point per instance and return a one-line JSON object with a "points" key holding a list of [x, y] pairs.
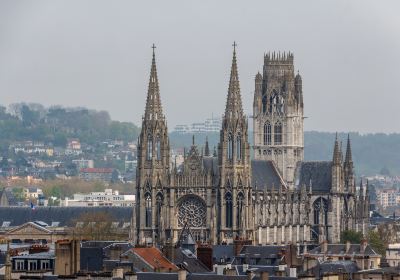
{"points": [[153, 103], [337, 158], [207, 149], [234, 101], [349, 158]]}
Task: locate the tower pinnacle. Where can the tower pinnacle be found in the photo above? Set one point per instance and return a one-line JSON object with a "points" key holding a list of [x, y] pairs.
{"points": [[349, 158], [234, 100], [153, 103], [336, 152]]}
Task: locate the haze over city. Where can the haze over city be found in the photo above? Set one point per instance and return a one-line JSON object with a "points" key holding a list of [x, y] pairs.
{"points": [[97, 54]]}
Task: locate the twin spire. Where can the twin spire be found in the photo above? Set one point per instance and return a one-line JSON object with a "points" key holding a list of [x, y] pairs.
{"points": [[234, 101], [153, 103], [233, 108], [337, 152]]}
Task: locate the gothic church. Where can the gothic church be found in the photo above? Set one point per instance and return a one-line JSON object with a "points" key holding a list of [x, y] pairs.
{"points": [[275, 198]]}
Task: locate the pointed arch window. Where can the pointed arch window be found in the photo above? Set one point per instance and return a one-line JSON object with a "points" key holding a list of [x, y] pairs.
{"points": [[147, 198], [267, 133], [228, 210], [158, 148], [239, 147], [264, 103], [239, 213], [149, 152], [278, 133], [159, 203], [230, 146]]}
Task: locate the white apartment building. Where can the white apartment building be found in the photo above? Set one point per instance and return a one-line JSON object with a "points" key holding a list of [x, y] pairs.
{"points": [[209, 125], [393, 254], [106, 198], [388, 197]]}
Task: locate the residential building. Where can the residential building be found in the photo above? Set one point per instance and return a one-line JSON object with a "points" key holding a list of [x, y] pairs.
{"points": [[83, 163], [362, 254], [387, 197], [393, 254], [32, 192], [96, 174], [106, 198]]}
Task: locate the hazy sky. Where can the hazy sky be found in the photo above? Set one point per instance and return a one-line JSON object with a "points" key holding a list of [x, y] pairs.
{"points": [[97, 54]]}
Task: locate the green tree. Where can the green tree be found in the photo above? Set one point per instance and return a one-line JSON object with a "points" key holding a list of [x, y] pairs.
{"points": [[350, 235], [376, 242]]}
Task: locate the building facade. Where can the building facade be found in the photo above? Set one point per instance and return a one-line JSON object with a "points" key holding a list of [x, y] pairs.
{"points": [[274, 198]]}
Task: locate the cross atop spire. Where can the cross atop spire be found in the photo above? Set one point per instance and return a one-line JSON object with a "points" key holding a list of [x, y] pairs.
{"points": [[153, 102], [234, 100]]}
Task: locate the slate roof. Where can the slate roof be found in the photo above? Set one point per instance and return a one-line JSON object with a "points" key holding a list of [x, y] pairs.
{"points": [[66, 216], [340, 249], [225, 252], [335, 266], [318, 173], [260, 255], [187, 260], [210, 163], [7, 197], [264, 174], [156, 276]]}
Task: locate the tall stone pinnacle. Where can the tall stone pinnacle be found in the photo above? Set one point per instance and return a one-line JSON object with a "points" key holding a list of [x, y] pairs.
{"points": [[153, 102], [349, 158], [234, 100]]}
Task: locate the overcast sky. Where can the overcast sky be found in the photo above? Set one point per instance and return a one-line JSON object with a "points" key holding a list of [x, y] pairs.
{"points": [[97, 54]]}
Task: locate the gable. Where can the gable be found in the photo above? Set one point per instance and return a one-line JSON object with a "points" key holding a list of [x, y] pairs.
{"points": [[29, 228]]}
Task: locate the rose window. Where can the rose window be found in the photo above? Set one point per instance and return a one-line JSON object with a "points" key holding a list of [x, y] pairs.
{"points": [[192, 210]]}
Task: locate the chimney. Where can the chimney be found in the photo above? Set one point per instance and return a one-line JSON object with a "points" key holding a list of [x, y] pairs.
{"points": [[264, 275], [348, 244], [363, 246], [204, 254], [250, 275], [182, 274]]}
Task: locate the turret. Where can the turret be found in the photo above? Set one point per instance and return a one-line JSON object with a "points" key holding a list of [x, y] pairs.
{"points": [[206, 148], [348, 168], [298, 86], [337, 167]]}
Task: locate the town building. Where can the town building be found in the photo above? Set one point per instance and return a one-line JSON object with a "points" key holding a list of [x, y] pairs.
{"points": [[393, 254], [97, 174], [32, 192], [83, 163], [106, 198], [275, 198]]}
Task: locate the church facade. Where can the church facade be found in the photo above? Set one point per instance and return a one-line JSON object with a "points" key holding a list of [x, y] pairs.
{"points": [[274, 198]]}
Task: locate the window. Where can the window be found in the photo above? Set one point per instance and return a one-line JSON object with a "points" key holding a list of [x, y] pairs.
{"points": [[149, 147], [238, 147], [278, 134], [32, 265], [264, 103], [159, 201], [239, 214], [228, 210], [19, 265], [158, 148], [45, 264], [230, 146], [148, 210], [267, 133]]}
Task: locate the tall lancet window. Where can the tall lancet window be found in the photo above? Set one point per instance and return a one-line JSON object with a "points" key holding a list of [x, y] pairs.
{"points": [[230, 146], [239, 214], [149, 152], [228, 210], [278, 134], [239, 147], [158, 148], [147, 198], [267, 134], [159, 202], [264, 103]]}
